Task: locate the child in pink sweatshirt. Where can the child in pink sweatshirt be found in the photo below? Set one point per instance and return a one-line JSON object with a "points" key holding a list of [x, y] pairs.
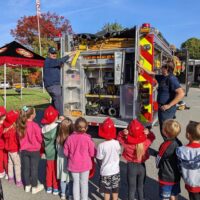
{"points": [[79, 148], [30, 138]]}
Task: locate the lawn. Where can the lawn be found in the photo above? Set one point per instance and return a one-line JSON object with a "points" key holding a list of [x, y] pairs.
{"points": [[31, 97]]}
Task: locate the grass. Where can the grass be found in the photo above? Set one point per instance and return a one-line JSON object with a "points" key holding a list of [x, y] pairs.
{"points": [[31, 97]]}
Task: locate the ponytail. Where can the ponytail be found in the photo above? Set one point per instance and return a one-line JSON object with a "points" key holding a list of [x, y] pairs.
{"points": [[140, 150], [81, 125], [25, 114]]}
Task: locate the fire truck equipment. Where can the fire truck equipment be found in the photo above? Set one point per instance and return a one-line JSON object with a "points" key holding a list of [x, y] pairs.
{"points": [[107, 80]]}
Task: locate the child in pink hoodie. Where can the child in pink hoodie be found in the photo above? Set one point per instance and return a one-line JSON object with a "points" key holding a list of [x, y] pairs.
{"points": [[30, 138], [79, 148]]}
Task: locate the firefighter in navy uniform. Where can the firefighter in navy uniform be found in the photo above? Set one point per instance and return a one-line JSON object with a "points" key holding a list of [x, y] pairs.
{"points": [[52, 80]]}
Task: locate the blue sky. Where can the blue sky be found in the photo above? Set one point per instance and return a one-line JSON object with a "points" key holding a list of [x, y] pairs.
{"points": [[178, 20]]}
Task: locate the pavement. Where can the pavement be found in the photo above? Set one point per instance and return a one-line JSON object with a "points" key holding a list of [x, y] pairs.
{"points": [[11, 192]]}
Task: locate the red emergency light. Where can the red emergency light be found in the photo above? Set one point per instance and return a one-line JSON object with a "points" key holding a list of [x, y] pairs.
{"points": [[145, 28]]}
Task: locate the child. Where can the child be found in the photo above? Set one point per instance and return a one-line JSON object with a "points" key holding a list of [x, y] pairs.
{"points": [[12, 146], [3, 154], [65, 129], [79, 148], [189, 157], [136, 142], [167, 162], [108, 153], [30, 137], [49, 133]]}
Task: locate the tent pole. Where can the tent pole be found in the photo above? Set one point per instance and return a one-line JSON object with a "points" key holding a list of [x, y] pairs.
{"points": [[21, 83], [5, 85]]}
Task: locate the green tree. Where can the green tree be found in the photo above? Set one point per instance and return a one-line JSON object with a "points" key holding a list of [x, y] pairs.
{"points": [[113, 27], [193, 46]]}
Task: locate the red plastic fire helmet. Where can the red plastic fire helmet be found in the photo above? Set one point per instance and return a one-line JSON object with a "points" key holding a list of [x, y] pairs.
{"points": [[107, 129], [136, 131], [50, 114], [11, 118]]}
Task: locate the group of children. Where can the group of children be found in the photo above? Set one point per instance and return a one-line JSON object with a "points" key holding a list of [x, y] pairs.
{"points": [[70, 153]]}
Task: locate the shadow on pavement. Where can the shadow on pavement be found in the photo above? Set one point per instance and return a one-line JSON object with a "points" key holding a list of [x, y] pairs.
{"points": [[151, 186]]}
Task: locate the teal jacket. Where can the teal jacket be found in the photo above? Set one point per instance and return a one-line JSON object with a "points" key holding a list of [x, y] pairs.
{"points": [[50, 134]]}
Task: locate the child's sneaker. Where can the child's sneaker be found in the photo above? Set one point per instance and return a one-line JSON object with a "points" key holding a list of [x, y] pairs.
{"points": [[2, 175], [6, 176], [19, 184], [37, 189], [11, 180], [55, 192], [62, 196], [49, 190], [28, 188]]}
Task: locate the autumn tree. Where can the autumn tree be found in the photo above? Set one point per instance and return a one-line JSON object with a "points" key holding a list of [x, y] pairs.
{"points": [[51, 25], [193, 46]]}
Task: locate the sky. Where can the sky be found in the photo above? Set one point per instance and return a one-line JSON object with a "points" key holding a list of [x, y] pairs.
{"points": [[177, 20]]}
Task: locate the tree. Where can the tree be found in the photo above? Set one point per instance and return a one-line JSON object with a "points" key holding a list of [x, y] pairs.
{"points": [[51, 25], [113, 27], [193, 46]]}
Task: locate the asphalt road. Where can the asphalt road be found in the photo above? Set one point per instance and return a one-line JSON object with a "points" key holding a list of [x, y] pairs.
{"points": [[11, 192]]}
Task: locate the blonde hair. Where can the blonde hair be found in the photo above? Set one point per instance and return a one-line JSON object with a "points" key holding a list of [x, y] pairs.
{"points": [[193, 128], [65, 129], [172, 128], [81, 125], [140, 150]]}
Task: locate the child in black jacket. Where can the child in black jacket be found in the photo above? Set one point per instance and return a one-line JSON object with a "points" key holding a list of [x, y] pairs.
{"points": [[167, 162]]}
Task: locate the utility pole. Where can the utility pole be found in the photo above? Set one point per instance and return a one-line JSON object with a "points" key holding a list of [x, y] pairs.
{"points": [[39, 38]]}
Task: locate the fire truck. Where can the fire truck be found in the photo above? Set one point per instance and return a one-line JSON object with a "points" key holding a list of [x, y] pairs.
{"points": [[104, 80]]}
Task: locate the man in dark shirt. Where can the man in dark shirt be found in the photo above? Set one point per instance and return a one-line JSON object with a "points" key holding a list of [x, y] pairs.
{"points": [[169, 92], [52, 81]]}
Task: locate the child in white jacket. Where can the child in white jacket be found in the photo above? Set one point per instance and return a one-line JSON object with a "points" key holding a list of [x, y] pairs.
{"points": [[189, 157]]}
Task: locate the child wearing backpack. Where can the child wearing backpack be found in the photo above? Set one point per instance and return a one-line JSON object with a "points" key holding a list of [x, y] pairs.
{"points": [[49, 132], [65, 129], [108, 154], [189, 159], [80, 149], [30, 138], [3, 153], [12, 147], [167, 162], [136, 142]]}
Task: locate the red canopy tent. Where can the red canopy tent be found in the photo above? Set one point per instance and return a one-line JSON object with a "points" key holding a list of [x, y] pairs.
{"points": [[18, 55]]}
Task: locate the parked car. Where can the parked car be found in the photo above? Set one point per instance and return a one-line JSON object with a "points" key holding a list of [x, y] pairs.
{"points": [[7, 84]]}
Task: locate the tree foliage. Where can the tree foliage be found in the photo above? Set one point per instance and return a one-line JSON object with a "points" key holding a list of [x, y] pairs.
{"points": [[51, 26], [193, 46], [26, 32], [113, 27]]}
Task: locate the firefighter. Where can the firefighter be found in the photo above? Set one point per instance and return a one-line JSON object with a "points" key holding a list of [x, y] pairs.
{"points": [[52, 81], [169, 92]]}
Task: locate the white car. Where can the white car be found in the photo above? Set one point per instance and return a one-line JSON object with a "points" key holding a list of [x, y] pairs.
{"points": [[7, 84]]}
